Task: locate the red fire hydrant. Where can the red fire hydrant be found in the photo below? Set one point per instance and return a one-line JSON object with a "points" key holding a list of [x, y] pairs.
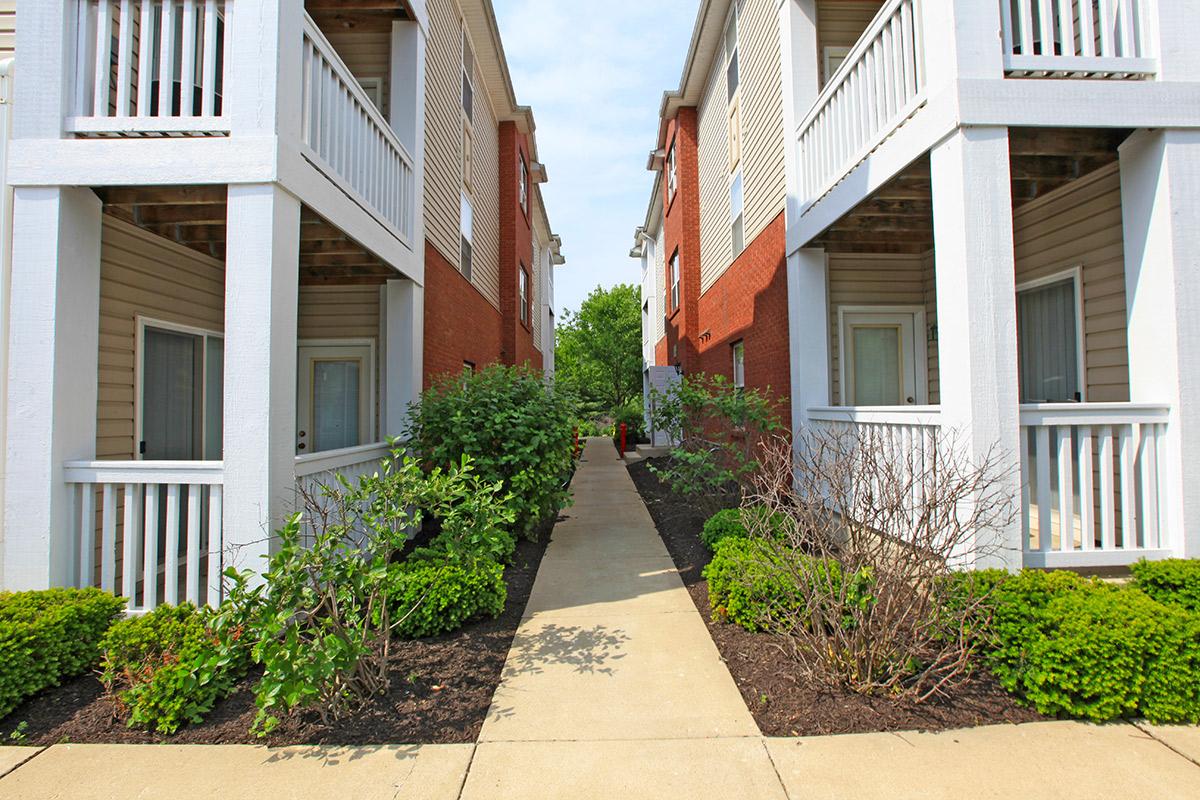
{"points": [[622, 440]]}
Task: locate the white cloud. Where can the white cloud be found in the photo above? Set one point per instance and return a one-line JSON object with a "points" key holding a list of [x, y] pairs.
{"points": [[594, 73]]}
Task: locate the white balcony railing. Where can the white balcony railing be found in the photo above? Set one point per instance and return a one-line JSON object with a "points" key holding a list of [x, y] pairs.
{"points": [[1093, 483], [345, 136], [1076, 38], [879, 86], [153, 527], [150, 68], [317, 469]]}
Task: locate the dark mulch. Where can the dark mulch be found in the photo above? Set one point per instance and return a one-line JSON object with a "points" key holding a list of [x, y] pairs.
{"points": [[783, 704], [440, 692]]}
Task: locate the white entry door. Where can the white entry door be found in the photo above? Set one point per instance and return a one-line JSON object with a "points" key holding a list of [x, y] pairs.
{"points": [[335, 402], [880, 360]]}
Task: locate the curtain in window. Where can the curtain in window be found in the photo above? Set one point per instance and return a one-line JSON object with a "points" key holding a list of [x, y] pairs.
{"points": [[1048, 348], [876, 366]]}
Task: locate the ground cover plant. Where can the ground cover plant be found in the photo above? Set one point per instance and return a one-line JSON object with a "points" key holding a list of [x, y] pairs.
{"points": [[49, 636]]}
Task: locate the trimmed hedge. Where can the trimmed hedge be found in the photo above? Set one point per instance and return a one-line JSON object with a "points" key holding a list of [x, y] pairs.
{"points": [[168, 668], [49, 636], [736, 522], [1080, 647], [1175, 581], [429, 598]]}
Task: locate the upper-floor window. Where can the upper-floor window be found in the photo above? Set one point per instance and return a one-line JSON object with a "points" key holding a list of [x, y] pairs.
{"points": [[468, 78], [673, 282], [739, 364], [672, 173], [732, 78], [736, 213], [523, 280], [734, 112], [524, 185], [467, 231]]}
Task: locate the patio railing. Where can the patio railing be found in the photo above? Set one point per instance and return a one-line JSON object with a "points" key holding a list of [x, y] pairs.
{"points": [[1076, 38]]}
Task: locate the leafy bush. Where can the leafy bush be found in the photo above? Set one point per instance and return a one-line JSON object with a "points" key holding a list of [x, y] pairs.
{"points": [[474, 516], [431, 598], [746, 584], [1175, 581], [1083, 648], [48, 636], [516, 429], [741, 522], [168, 668], [635, 425]]}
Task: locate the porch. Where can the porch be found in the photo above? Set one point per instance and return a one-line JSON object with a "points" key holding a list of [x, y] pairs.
{"points": [[223, 362], [1004, 307]]}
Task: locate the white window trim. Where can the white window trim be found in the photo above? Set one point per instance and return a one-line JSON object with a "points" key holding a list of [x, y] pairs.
{"points": [[1074, 274], [733, 348], [372, 400], [920, 345], [828, 55], [139, 355]]}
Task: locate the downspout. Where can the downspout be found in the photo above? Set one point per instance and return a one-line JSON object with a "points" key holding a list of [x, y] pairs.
{"points": [[7, 74]]}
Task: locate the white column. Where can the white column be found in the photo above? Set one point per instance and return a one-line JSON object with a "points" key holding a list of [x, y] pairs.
{"points": [[45, 39], [808, 332], [1170, 35], [261, 295], [1160, 206], [800, 56], [52, 388], [265, 58], [403, 373], [407, 110], [976, 306]]}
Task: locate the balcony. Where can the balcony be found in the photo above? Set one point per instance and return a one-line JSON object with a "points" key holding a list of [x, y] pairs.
{"points": [[162, 68]]}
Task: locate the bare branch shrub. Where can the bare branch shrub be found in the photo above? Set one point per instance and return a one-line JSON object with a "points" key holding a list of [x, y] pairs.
{"points": [[876, 523]]}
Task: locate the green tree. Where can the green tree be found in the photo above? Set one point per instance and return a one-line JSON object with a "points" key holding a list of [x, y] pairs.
{"points": [[598, 349]]}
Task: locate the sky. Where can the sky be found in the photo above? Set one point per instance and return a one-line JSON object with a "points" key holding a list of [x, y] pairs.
{"points": [[594, 73]]}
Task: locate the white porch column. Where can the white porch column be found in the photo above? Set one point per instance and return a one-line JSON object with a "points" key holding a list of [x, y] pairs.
{"points": [[404, 371], [407, 111], [976, 306], [261, 295], [1160, 206], [808, 332], [800, 56], [52, 388]]}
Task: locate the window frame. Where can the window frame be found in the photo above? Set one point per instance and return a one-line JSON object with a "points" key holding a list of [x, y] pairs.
{"points": [[737, 222], [672, 162], [523, 294], [1075, 275], [204, 334], [738, 352], [467, 60], [673, 283], [523, 182]]}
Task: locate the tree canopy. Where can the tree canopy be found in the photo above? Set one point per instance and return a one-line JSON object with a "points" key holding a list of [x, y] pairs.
{"points": [[598, 349]]}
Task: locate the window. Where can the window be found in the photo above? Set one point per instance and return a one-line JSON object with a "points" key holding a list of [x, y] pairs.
{"points": [[731, 55], [834, 56], [467, 226], [181, 411], [735, 135], [739, 364], [468, 79], [373, 87], [523, 291], [468, 366], [736, 215], [524, 185], [1049, 358], [672, 173], [468, 156], [673, 282]]}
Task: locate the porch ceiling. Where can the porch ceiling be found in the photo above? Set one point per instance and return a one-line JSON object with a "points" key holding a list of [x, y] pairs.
{"points": [[357, 15], [899, 217], [195, 216]]}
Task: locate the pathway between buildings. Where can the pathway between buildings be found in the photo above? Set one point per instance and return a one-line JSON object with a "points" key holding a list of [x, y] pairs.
{"points": [[613, 690]]}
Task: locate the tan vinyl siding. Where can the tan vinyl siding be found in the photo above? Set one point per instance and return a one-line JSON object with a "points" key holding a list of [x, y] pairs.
{"points": [[870, 280], [8, 27], [339, 312], [485, 261], [368, 54], [760, 64], [1079, 225], [840, 23], [144, 275], [716, 234], [929, 287], [443, 128]]}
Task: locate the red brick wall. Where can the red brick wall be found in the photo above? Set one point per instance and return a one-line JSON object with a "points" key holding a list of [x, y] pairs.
{"points": [[460, 324], [749, 302], [660, 353], [516, 251], [681, 230]]}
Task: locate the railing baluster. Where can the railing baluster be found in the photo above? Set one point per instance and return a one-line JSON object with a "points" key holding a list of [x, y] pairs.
{"points": [[129, 539], [1046, 26], [145, 49], [1108, 513], [193, 544], [1127, 38], [1066, 489], [150, 549], [1148, 462], [208, 93], [1066, 26], [1025, 23], [171, 548], [214, 545], [125, 58], [1006, 26], [1026, 509], [103, 53], [1087, 499], [166, 59], [1087, 29], [1129, 517], [87, 536], [108, 539], [1107, 24], [1044, 505], [187, 61]]}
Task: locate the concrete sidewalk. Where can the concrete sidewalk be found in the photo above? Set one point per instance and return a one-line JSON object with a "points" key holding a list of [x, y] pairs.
{"points": [[613, 689]]}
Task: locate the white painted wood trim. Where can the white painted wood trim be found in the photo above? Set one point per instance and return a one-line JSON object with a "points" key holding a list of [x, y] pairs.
{"points": [[1048, 414], [144, 472], [329, 460], [878, 415]]}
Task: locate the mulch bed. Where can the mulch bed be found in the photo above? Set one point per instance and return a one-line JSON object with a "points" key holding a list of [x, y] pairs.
{"points": [[784, 704], [441, 689]]}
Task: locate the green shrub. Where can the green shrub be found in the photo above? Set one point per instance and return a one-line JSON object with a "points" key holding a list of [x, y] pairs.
{"points": [[168, 668], [49, 636], [749, 584], [1175, 581], [1080, 647], [516, 429], [635, 424], [474, 515], [738, 522], [428, 598]]}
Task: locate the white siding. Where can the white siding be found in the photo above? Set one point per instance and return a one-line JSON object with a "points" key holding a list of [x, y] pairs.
{"points": [[716, 236], [762, 115], [443, 128]]}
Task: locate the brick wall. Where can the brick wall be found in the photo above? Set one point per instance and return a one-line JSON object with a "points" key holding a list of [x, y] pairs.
{"points": [[681, 231], [460, 324], [749, 302], [516, 251]]}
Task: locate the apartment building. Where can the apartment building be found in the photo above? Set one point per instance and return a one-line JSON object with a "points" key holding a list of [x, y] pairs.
{"points": [[245, 235]]}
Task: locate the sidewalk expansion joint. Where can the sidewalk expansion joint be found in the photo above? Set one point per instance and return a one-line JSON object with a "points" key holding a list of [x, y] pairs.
{"points": [[1150, 732]]}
